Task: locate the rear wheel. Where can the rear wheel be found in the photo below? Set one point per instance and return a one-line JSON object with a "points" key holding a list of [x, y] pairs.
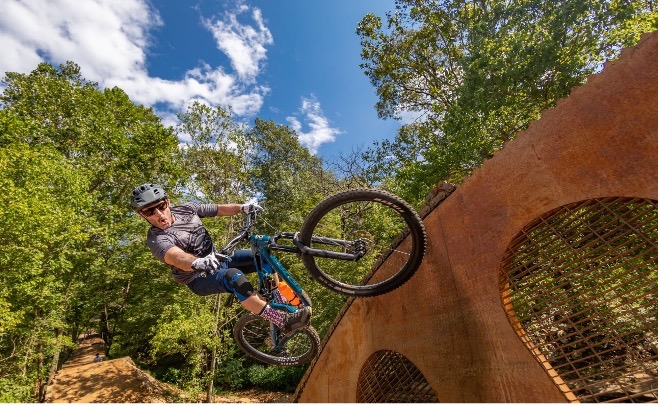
{"points": [[379, 225], [254, 336]]}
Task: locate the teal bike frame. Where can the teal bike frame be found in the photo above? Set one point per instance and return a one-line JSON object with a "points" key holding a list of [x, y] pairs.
{"points": [[267, 265]]}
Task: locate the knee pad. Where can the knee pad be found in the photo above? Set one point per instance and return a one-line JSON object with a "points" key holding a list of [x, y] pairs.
{"points": [[236, 283]]}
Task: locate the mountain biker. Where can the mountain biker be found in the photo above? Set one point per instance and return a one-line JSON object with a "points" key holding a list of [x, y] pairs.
{"points": [[178, 238]]}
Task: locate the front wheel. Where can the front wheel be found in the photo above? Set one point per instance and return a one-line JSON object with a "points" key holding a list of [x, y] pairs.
{"points": [[383, 233], [257, 338]]}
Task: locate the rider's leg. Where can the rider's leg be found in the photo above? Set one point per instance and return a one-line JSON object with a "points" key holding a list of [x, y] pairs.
{"points": [[243, 260], [235, 282], [256, 305]]}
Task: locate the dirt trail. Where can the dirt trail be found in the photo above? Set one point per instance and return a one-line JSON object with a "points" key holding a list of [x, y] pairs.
{"points": [[81, 380]]}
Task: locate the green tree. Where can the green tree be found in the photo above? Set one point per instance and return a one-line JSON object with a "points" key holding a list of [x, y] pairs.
{"points": [[116, 141], [474, 73], [215, 157], [289, 179], [80, 150], [44, 225]]}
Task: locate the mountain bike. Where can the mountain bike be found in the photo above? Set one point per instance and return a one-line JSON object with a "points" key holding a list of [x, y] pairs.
{"points": [[343, 241]]}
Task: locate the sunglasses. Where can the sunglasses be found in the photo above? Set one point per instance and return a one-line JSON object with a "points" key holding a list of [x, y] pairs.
{"points": [[151, 210]]}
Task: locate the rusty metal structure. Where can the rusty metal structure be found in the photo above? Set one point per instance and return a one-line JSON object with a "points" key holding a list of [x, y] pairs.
{"points": [[540, 279]]}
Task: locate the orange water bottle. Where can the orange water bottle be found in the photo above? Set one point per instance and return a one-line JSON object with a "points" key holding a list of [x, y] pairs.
{"points": [[288, 293]]}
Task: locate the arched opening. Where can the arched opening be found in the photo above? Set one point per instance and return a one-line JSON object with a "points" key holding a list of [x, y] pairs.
{"points": [[580, 287], [389, 377]]}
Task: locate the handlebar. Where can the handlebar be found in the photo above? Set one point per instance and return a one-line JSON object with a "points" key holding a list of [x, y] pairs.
{"points": [[244, 234]]}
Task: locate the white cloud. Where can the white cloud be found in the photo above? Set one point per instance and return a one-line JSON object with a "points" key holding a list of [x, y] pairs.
{"points": [[109, 40], [104, 38], [244, 45], [320, 130]]}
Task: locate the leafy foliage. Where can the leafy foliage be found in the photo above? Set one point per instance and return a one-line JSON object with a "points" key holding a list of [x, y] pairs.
{"points": [[70, 153], [472, 74], [44, 226], [273, 378]]}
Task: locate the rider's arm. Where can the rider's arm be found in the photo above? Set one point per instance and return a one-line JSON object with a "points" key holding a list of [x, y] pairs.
{"points": [[212, 210], [228, 209], [179, 258]]}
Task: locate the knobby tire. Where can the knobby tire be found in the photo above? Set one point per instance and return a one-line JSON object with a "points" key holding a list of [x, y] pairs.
{"points": [[365, 288], [250, 324]]}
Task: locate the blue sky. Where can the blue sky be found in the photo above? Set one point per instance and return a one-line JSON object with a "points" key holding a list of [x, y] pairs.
{"points": [[295, 62]]}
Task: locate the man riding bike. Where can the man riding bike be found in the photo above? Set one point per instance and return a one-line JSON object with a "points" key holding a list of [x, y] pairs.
{"points": [[178, 238]]}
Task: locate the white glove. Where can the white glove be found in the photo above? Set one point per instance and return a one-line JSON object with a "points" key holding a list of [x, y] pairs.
{"points": [[250, 207], [207, 264]]}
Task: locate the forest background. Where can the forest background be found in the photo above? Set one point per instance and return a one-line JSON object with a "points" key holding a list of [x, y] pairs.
{"points": [[72, 253]]}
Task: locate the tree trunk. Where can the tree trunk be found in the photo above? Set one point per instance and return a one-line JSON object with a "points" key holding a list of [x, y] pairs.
{"points": [[56, 357], [106, 334], [41, 385], [209, 391]]}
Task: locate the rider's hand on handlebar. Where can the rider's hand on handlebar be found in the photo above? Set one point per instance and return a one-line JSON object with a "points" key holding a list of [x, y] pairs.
{"points": [[251, 207], [207, 264]]}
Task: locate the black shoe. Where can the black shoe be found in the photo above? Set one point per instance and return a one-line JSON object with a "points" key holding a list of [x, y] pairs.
{"points": [[298, 320]]}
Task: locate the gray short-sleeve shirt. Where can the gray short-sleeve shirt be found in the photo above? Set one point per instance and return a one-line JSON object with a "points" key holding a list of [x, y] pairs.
{"points": [[187, 232]]}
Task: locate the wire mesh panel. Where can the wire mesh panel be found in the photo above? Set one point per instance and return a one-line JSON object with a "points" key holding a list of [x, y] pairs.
{"points": [[389, 377], [580, 287]]}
